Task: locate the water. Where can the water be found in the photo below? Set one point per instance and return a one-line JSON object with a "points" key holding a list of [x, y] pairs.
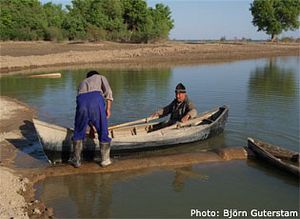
{"points": [[262, 94], [263, 98], [170, 194]]}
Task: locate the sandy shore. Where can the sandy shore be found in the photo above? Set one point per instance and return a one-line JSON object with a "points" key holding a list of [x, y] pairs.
{"points": [[12, 204], [16, 191], [34, 55]]}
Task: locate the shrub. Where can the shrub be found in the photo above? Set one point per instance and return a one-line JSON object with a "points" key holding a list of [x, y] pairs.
{"points": [[54, 34]]}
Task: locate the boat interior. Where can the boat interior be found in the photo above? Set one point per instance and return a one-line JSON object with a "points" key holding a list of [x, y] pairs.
{"points": [[145, 128], [280, 153]]}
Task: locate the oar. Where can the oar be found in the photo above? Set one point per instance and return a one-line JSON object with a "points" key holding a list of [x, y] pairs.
{"points": [[144, 120]]}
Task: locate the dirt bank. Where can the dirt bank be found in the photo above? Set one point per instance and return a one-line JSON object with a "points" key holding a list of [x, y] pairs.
{"points": [[16, 191], [32, 55], [12, 203]]}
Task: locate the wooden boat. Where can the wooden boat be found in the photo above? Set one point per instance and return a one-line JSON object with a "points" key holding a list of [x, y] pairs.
{"points": [[279, 157], [132, 136]]}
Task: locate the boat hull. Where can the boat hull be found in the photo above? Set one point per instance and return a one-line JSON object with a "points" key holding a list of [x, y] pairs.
{"points": [[57, 140], [278, 157]]}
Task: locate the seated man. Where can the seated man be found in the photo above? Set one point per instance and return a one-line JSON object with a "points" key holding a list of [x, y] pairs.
{"points": [[181, 108]]}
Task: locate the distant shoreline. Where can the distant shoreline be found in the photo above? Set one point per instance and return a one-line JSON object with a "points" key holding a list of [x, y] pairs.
{"points": [[32, 56]]}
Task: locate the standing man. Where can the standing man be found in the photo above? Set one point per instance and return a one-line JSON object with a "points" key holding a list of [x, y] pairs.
{"points": [[93, 101], [181, 108]]}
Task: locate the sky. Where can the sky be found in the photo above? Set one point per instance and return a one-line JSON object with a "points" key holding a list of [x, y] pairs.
{"points": [[209, 19]]}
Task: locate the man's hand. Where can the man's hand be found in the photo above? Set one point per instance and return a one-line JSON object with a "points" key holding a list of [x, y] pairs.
{"points": [[185, 118], [108, 106], [108, 113]]}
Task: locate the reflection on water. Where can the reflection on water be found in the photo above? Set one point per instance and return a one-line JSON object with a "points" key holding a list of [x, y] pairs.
{"points": [[169, 193], [273, 104], [55, 98], [270, 171], [272, 80], [94, 196], [182, 175]]}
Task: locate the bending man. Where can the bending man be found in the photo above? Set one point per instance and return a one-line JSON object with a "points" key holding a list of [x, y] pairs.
{"points": [[93, 108]]}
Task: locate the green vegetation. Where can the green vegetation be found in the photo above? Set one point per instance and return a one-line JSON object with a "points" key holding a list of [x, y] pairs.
{"points": [[275, 16], [115, 20]]}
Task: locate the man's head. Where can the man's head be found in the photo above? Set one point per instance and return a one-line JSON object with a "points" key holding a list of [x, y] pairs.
{"points": [[180, 92], [91, 73]]}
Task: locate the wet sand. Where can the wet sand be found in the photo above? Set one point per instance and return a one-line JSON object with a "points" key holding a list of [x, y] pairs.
{"points": [[38, 56]]}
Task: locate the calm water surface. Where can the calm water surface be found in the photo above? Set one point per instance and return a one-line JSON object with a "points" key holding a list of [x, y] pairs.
{"points": [[263, 97]]}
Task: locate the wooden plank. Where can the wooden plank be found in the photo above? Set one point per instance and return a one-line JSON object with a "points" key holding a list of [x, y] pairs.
{"points": [[50, 75], [144, 120]]}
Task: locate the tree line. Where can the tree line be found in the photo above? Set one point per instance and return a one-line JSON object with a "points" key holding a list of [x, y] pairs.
{"points": [[115, 20], [120, 20]]}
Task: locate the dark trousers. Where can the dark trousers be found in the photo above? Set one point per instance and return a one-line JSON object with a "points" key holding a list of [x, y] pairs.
{"points": [[90, 109]]}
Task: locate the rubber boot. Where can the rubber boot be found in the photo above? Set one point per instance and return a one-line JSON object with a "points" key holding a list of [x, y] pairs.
{"points": [[77, 148], [105, 154]]}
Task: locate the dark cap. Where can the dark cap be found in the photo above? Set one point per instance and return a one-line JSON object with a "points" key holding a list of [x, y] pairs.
{"points": [[91, 73], [180, 88]]}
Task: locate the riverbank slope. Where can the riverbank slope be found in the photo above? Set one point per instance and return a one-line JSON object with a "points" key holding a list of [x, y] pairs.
{"points": [[16, 191], [17, 56]]}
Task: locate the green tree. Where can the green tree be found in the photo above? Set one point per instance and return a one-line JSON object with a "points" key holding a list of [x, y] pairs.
{"points": [[107, 15], [6, 21], [75, 27], [135, 13], [145, 24], [22, 20], [136, 17], [275, 16], [55, 16], [75, 22], [118, 20], [162, 21], [113, 11]]}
